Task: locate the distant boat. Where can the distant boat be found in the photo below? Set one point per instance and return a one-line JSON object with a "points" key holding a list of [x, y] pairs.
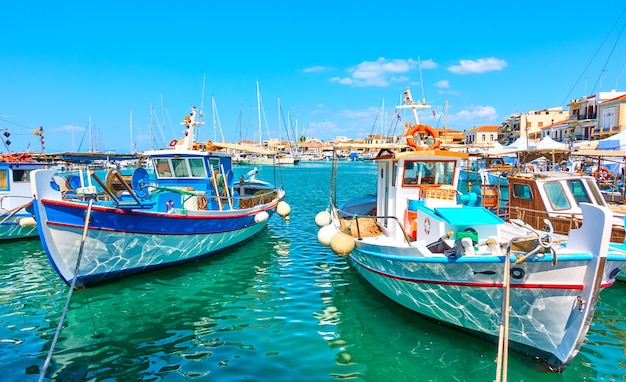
{"points": [[113, 228], [487, 169], [262, 160], [434, 251], [256, 158], [16, 220]]}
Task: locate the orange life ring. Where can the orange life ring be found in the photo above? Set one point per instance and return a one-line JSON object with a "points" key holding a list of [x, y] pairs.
{"points": [[421, 128], [173, 142], [602, 174], [209, 145], [427, 226]]}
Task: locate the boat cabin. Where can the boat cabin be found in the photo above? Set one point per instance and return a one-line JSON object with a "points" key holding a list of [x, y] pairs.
{"points": [[420, 187], [534, 197], [193, 179], [15, 189]]}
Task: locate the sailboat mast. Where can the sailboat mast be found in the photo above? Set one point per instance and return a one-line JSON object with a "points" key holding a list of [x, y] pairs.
{"points": [[131, 131], [280, 134], [258, 108], [90, 136], [214, 119]]}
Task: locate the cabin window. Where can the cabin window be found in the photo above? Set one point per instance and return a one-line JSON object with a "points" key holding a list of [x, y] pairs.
{"points": [[428, 173], [578, 191], [556, 196], [522, 191], [180, 168], [163, 168], [197, 167], [593, 186], [214, 164], [4, 180], [21, 175]]}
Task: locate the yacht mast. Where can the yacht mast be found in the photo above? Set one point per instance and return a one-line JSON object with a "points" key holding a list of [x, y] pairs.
{"points": [[258, 107]]}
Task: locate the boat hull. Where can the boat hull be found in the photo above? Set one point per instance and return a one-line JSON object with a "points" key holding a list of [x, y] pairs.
{"points": [[14, 228], [122, 239], [148, 240], [550, 306]]}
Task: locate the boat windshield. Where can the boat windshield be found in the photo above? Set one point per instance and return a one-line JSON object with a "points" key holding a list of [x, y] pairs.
{"points": [[595, 191], [180, 167], [428, 172], [556, 196], [578, 191]]}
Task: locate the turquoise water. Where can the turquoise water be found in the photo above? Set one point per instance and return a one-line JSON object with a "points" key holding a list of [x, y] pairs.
{"points": [[278, 308]]}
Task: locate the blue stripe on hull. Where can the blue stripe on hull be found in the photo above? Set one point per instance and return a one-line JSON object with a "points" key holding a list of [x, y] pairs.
{"points": [[110, 219], [148, 241]]}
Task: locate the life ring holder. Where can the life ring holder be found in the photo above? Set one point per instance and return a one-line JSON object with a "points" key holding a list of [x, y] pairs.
{"points": [[421, 128], [173, 142], [169, 205], [427, 226], [602, 174]]}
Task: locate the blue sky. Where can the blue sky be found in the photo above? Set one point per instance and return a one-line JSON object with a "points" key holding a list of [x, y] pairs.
{"points": [[331, 63]]}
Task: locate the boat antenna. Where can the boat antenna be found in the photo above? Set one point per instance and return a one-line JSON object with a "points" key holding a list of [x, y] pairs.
{"points": [[202, 98], [201, 104], [419, 64]]}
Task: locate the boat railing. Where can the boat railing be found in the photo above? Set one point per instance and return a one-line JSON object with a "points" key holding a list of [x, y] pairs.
{"points": [[535, 217]]}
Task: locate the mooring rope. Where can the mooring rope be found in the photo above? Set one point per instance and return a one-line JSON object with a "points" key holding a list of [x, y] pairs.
{"points": [[503, 339], [69, 295], [13, 211]]}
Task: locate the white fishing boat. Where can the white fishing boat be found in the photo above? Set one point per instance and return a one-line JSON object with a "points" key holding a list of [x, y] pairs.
{"points": [[16, 218], [112, 228], [434, 251]]}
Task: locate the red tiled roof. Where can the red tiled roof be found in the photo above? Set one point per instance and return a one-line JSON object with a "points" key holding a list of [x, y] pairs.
{"points": [[484, 128]]}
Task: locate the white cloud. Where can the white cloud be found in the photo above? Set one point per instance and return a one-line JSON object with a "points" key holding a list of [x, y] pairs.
{"points": [[343, 81], [381, 73], [428, 64], [479, 66], [317, 69], [476, 115], [443, 84]]}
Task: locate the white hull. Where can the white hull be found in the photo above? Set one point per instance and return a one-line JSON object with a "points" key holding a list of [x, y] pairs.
{"points": [[550, 309]]}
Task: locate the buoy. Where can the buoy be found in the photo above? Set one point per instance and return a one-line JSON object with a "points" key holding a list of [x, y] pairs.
{"points": [[283, 209], [326, 234], [27, 222], [322, 218], [261, 217], [342, 244]]}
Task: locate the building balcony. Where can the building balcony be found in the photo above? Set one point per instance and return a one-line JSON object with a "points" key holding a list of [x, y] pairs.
{"points": [[585, 116]]}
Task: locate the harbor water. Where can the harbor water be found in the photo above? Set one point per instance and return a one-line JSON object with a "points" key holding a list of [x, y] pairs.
{"points": [[280, 307]]}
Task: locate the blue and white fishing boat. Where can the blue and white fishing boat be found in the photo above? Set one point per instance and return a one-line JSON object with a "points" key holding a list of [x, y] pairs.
{"points": [[16, 221], [434, 251], [189, 208]]}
